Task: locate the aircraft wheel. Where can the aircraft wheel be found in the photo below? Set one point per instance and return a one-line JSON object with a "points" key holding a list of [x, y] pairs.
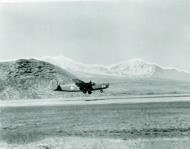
{"points": [[84, 92], [101, 91], [89, 92]]}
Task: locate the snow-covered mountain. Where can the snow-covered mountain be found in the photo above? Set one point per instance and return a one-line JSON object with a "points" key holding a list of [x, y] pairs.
{"points": [[134, 68]]}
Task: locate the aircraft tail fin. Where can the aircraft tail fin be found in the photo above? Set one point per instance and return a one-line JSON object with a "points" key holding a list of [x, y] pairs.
{"points": [[58, 88]]}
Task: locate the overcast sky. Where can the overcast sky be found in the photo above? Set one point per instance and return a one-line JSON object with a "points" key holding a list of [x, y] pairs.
{"points": [[102, 32]]}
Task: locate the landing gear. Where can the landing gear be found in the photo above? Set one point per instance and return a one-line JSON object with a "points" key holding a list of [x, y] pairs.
{"points": [[89, 92], [101, 91], [84, 91]]}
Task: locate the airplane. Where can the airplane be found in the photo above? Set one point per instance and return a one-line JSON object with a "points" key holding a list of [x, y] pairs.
{"points": [[81, 86]]}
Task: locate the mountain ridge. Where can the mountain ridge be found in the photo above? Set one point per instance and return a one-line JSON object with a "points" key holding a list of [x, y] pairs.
{"points": [[134, 68]]}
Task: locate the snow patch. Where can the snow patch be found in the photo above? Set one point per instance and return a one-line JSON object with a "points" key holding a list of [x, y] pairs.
{"points": [[134, 68]]}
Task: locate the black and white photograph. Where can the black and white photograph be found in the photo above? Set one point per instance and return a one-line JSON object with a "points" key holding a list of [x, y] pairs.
{"points": [[94, 74]]}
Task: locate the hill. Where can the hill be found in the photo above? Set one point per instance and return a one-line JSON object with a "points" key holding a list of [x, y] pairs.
{"points": [[30, 78]]}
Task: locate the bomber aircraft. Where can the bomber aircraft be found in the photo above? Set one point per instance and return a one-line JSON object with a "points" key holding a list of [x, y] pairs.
{"points": [[81, 86]]}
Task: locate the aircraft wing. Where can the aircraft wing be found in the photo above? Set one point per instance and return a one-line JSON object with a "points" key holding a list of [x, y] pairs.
{"points": [[78, 82]]}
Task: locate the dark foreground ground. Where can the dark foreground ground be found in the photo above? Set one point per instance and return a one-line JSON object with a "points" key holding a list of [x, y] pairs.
{"points": [[116, 121]]}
